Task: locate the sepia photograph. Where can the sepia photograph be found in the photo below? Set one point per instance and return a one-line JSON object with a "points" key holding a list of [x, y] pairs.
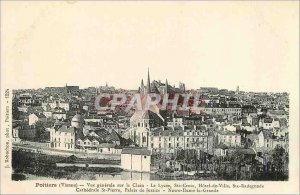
{"points": [[194, 96]]}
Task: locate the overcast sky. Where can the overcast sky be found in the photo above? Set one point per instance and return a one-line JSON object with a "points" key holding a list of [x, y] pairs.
{"points": [[218, 44]]}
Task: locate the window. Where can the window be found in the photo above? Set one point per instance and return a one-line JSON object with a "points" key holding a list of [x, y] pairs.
{"points": [[170, 145], [145, 156]]}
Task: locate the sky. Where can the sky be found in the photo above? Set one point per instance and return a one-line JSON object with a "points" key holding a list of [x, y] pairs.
{"points": [[204, 44]]}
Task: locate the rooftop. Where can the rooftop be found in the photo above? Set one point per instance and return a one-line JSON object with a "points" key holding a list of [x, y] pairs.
{"points": [[136, 151]]}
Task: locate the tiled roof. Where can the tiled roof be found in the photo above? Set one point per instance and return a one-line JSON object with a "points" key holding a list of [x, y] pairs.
{"points": [[67, 129], [268, 120], [113, 136], [40, 115], [144, 114], [103, 133], [136, 151], [226, 133]]}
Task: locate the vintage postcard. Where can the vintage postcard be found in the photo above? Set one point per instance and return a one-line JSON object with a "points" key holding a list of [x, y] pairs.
{"points": [[149, 97]]}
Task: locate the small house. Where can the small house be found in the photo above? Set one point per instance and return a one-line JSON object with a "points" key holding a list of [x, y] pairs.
{"points": [[136, 159]]}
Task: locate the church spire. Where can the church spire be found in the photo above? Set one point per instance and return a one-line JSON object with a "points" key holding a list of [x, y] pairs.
{"points": [[148, 82], [167, 85]]}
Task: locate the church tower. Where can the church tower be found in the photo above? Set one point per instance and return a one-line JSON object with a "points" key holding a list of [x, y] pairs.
{"points": [[237, 90], [148, 83], [166, 85], [142, 88]]}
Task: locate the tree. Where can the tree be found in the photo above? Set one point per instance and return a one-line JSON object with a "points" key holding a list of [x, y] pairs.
{"points": [[278, 159], [214, 161], [41, 133], [237, 159], [15, 110]]}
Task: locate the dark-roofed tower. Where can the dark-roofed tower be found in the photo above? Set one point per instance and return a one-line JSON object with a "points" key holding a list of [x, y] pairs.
{"points": [[142, 83], [166, 86], [148, 82]]}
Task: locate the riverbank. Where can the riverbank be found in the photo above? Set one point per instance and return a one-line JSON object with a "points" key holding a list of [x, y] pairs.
{"points": [[41, 165]]}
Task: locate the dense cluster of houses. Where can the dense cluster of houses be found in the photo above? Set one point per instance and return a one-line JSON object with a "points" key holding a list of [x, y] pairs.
{"points": [[253, 123]]}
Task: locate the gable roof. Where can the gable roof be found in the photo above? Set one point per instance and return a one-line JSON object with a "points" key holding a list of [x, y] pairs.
{"points": [[113, 136], [39, 115], [268, 120], [67, 129]]}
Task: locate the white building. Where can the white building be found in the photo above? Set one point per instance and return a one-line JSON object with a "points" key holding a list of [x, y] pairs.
{"points": [[229, 128], [167, 139], [59, 104], [63, 138], [77, 121], [48, 114], [139, 135], [219, 110], [59, 114], [136, 159], [228, 138], [269, 123], [15, 132], [35, 117], [176, 121]]}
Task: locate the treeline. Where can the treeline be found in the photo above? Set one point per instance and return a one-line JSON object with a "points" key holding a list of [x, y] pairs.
{"points": [[273, 165]]}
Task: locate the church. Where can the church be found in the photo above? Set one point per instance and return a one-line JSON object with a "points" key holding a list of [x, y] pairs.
{"points": [[159, 87]]}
